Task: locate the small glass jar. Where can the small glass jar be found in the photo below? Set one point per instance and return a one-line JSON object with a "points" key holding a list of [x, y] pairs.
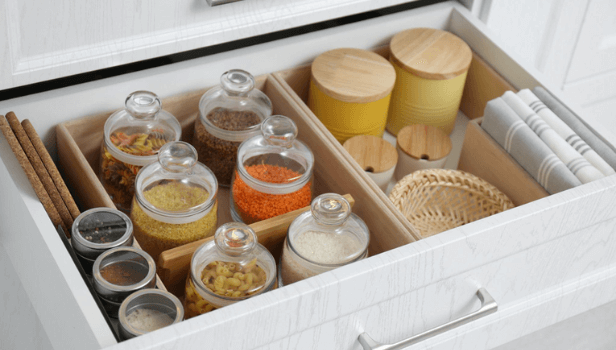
{"points": [[228, 114], [230, 268], [148, 310], [119, 272], [274, 173], [97, 230], [132, 138], [322, 239], [175, 200]]}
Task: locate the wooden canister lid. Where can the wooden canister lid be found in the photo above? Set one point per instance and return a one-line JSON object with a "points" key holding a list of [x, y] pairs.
{"points": [[372, 153], [424, 142], [430, 53], [353, 75]]}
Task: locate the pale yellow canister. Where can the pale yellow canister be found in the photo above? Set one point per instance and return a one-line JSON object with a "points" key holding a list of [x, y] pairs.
{"points": [[431, 67], [350, 91]]}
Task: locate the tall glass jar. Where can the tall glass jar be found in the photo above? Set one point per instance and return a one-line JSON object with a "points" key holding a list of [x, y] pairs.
{"points": [[230, 268], [175, 200], [274, 173], [228, 114], [132, 138], [324, 238]]}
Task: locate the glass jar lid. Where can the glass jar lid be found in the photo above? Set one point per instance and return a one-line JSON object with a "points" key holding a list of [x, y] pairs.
{"points": [[234, 110], [275, 162], [135, 134], [100, 229], [234, 244], [148, 310], [177, 188], [329, 234]]}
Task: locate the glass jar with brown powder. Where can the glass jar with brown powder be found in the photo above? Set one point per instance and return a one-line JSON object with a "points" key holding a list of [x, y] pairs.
{"points": [[228, 114]]}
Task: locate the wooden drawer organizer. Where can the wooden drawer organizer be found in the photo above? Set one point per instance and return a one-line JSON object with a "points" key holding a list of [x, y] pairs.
{"points": [[480, 154], [79, 151]]}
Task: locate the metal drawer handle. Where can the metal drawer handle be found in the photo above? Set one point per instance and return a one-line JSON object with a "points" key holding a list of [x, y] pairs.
{"points": [[488, 306], [220, 2]]}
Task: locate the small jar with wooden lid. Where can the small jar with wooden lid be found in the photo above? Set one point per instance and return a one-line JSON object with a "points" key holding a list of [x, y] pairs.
{"points": [[377, 157], [431, 67], [350, 91], [421, 147]]}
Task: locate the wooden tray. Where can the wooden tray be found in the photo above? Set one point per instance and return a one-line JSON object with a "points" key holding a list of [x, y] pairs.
{"points": [[480, 154], [79, 143]]}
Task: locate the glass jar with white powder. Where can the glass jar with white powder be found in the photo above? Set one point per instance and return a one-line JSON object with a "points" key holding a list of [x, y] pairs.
{"points": [[322, 239]]}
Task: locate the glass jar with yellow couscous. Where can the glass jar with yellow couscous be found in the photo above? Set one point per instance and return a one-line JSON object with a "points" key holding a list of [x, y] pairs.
{"points": [[230, 268], [175, 200]]}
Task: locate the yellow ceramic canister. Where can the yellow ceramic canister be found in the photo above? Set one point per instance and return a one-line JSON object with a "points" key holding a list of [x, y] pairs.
{"points": [[350, 90], [431, 67]]}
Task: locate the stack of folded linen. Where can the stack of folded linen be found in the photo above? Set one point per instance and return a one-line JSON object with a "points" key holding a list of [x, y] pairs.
{"points": [[547, 140]]}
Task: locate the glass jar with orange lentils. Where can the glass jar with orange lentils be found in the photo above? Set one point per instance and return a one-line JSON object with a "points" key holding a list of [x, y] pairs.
{"points": [[273, 175]]}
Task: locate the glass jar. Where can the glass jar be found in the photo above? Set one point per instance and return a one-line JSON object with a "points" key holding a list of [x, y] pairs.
{"points": [[230, 268], [322, 239], [97, 230], [175, 200], [132, 138], [119, 272], [228, 114], [273, 174]]}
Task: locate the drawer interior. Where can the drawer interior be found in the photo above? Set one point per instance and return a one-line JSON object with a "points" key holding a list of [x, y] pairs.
{"points": [[480, 155]]}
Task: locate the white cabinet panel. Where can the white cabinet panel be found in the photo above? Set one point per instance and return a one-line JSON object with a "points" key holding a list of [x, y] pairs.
{"points": [[41, 41], [595, 52]]}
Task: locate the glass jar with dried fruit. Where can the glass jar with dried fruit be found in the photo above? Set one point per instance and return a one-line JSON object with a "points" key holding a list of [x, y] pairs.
{"points": [[274, 173], [132, 138], [228, 114], [230, 268], [175, 200]]}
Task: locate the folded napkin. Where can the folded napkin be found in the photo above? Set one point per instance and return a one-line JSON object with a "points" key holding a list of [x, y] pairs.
{"points": [[579, 166], [577, 125], [517, 138], [564, 131]]}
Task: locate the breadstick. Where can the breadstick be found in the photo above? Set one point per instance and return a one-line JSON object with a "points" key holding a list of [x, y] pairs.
{"points": [[32, 177], [51, 168], [39, 168]]}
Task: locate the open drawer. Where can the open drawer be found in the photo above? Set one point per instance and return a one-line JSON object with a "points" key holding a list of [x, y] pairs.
{"points": [[542, 262]]}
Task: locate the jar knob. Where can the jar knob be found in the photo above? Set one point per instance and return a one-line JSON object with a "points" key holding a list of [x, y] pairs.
{"points": [[235, 238], [177, 156], [237, 81], [330, 209], [279, 130], [143, 104]]}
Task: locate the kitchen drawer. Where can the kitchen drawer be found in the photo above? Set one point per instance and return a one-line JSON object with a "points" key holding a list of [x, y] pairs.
{"points": [[542, 262]]}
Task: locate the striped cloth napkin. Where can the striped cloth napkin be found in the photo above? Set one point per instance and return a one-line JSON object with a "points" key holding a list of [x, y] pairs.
{"points": [[517, 138], [579, 166], [577, 125], [564, 131]]}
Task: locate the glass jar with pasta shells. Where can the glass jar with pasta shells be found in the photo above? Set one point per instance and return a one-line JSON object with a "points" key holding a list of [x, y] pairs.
{"points": [[228, 114], [324, 238], [273, 174], [132, 138], [175, 200], [230, 268]]}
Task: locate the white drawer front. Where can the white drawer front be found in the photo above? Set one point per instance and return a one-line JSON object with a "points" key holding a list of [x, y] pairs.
{"points": [[519, 255]]}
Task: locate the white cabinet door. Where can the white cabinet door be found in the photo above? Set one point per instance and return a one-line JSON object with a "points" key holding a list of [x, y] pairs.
{"points": [[44, 40]]}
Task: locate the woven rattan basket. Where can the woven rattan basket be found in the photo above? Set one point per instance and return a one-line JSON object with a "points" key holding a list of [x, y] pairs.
{"points": [[436, 200]]}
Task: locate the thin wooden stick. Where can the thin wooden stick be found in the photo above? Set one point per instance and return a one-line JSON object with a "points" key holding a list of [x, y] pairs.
{"points": [[40, 170], [51, 168], [31, 174]]}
